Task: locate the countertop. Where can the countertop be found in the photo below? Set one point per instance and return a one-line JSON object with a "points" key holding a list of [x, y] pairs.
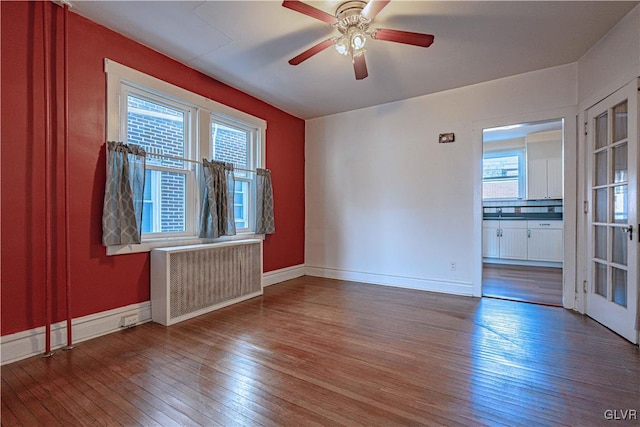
{"points": [[527, 217]]}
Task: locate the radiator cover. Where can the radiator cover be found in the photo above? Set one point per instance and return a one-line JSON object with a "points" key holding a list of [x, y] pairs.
{"points": [[188, 281]]}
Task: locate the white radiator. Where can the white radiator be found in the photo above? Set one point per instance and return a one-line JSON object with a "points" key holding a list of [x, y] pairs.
{"points": [[188, 281]]}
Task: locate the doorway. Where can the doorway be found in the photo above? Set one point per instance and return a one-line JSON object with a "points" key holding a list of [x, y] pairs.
{"points": [[522, 212]]}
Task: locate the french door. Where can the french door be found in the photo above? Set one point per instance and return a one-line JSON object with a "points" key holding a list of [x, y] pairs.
{"points": [[613, 235]]}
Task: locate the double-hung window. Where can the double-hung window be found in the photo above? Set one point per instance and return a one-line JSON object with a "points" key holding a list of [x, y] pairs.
{"points": [[233, 143], [165, 130], [503, 175], [177, 129]]}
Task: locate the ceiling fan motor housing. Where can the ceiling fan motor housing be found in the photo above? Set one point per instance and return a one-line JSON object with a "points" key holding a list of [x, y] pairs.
{"points": [[349, 16]]}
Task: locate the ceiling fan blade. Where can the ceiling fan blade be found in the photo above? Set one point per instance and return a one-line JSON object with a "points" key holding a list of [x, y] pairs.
{"points": [[311, 51], [406, 37], [374, 7], [360, 66], [311, 11]]}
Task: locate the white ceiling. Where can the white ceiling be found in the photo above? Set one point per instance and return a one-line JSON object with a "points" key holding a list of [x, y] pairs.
{"points": [[247, 44]]}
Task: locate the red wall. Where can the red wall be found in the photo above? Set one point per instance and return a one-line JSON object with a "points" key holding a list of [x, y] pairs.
{"points": [[98, 282]]}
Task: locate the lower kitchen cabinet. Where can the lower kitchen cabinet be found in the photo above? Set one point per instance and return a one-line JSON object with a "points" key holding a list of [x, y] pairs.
{"points": [[504, 239], [545, 241], [513, 239], [491, 239], [523, 240]]}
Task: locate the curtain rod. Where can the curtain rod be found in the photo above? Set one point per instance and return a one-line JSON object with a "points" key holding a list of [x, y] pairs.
{"points": [[182, 159]]}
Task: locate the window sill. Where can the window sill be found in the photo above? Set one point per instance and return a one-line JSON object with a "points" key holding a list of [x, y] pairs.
{"points": [[149, 245]]}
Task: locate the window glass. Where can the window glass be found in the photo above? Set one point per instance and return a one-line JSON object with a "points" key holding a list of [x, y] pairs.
{"points": [[229, 144], [160, 129], [502, 176], [241, 205], [148, 205]]}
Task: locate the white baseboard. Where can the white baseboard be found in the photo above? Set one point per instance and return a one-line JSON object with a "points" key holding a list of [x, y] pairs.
{"points": [[276, 276], [433, 285], [29, 343]]}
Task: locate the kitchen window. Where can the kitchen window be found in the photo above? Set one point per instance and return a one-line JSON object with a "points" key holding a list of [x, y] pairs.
{"points": [[503, 175], [177, 129]]}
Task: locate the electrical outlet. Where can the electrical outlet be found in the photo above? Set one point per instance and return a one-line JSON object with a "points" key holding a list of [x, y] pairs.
{"points": [[129, 321], [453, 266]]}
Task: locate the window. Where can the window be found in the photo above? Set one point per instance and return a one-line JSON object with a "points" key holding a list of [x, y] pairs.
{"points": [[231, 143], [162, 128], [178, 128], [503, 175]]}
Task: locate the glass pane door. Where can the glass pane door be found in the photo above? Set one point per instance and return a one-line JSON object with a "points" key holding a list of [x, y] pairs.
{"points": [[613, 287]]}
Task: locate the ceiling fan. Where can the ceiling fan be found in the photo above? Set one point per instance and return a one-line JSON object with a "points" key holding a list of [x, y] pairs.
{"points": [[352, 20]]}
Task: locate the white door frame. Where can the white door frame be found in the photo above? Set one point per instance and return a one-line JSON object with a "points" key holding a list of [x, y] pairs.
{"points": [[569, 114]]}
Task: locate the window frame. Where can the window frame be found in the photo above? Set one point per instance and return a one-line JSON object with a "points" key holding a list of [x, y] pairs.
{"points": [[522, 172], [122, 80]]}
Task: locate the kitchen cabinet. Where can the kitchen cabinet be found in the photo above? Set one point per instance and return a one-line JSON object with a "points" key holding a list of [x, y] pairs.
{"points": [[513, 239], [504, 239], [544, 165], [544, 179], [491, 239], [545, 241], [523, 240]]}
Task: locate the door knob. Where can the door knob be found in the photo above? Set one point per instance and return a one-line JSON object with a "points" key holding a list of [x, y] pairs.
{"points": [[629, 230]]}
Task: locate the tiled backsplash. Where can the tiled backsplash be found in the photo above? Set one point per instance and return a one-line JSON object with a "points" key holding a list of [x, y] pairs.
{"points": [[499, 203], [523, 209]]}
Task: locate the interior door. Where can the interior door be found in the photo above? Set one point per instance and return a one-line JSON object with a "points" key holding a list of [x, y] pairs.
{"points": [[613, 235]]}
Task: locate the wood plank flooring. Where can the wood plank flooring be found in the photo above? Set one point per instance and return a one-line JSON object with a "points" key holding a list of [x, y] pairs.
{"points": [[320, 352], [540, 285]]}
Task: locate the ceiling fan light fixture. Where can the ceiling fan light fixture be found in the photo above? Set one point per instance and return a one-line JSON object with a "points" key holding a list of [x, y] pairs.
{"points": [[342, 46], [358, 39]]}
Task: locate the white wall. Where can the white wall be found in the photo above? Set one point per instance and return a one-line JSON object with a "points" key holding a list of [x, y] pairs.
{"points": [[385, 203], [613, 62]]}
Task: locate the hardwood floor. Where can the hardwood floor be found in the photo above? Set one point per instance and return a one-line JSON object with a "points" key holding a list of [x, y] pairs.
{"points": [[320, 352], [540, 285]]}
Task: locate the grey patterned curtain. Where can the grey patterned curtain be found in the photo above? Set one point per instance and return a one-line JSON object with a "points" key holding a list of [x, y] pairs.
{"points": [[217, 217], [265, 223], [123, 195]]}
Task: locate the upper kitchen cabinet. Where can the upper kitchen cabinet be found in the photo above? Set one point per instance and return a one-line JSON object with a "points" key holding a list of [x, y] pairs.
{"points": [[544, 165]]}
